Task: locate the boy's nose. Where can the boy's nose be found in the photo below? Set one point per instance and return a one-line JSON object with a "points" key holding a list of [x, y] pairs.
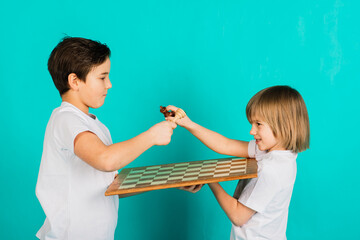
{"points": [[108, 84]]}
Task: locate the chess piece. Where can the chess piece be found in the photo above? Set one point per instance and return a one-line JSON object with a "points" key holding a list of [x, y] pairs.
{"points": [[166, 113]]}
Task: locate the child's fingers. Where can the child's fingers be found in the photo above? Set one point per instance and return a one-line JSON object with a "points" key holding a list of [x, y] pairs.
{"points": [[170, 119], [172, 108], [186, 188], [197, 188], [171, 123], [192, 188]]}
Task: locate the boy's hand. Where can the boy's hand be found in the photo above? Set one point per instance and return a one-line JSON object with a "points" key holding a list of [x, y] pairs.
{"points": [[161, 132], [184, 122], [193, 188]]}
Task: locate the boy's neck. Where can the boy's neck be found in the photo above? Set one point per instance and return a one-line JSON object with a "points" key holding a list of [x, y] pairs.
{"points": [[71, 98]]}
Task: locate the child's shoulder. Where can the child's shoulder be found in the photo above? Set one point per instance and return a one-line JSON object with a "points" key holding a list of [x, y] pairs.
{"points": [[284, 158], [67, 113], [280, 159], [280, 165]]}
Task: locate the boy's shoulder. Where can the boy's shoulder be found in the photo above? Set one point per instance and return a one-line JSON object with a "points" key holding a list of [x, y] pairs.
{"points": [[67, 113], [68, 108], [65, 123]]}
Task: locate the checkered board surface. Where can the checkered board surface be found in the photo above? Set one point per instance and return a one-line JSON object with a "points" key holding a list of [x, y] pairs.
{"points": [[149, 178]]}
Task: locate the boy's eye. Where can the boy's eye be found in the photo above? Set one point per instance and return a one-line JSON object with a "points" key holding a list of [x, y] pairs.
{"points": [[257, 123]]}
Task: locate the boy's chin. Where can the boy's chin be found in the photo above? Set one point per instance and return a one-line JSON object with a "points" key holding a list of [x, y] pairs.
{"points": [[94, 106]]}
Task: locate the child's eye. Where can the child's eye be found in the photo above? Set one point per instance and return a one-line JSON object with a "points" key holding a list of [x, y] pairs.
{"points": [[257, 123]]}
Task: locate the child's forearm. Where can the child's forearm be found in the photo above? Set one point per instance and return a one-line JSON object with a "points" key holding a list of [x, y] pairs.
{"points": [[93, 151], [218, 142], [120, 154], [211, 139], [236, 212]]}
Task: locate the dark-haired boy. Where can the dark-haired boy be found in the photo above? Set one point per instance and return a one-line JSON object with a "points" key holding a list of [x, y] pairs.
{"points": [[79, 160]]}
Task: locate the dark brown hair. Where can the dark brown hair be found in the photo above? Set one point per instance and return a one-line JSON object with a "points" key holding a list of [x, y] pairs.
{"points": [[284, 109], [75, 55]]}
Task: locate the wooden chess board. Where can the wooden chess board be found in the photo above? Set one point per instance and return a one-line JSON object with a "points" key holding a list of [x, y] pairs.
{"points": [[141, 179]]}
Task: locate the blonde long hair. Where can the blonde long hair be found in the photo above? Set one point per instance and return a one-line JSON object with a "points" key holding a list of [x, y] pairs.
{"points": [[284, 109]]}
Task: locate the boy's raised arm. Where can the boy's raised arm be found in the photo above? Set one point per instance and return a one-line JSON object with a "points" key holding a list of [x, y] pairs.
{"points": [[92, 150], [213, 140]]}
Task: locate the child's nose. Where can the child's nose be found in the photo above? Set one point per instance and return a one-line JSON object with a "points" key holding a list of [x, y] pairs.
{"points": [[252, 131], [108, 84]]}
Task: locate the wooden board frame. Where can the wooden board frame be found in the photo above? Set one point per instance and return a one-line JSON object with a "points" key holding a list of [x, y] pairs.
{"points": [[114, 188]]}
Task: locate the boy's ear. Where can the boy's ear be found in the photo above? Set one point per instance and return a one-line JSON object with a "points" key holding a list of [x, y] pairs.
{"points": [[73, 81]]}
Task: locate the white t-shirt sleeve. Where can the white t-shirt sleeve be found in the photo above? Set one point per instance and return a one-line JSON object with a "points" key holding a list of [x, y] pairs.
{"points": [[252, 149], [260, 191], [68, 126]]}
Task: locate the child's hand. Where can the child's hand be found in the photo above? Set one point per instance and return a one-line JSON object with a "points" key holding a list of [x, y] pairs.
{"points": [[193, 188], [184, 122], [161, 132]]}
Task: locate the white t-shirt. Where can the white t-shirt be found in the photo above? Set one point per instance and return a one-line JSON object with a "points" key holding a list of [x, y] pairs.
{"points": [[71, 192], [269, 195]]}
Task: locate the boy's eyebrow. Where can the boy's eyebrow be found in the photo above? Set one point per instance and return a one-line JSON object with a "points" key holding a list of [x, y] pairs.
{"points": [[104, 73]]}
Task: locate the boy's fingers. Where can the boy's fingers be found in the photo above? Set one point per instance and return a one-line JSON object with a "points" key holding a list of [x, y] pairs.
{"points": [[172, 124], [169, 119]]}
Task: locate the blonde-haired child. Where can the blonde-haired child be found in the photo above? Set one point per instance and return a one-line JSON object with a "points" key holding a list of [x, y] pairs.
{"points": [[280, 126]]}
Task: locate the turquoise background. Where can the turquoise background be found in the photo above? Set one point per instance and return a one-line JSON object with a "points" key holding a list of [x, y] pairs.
{"points": [[208, 57]]}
